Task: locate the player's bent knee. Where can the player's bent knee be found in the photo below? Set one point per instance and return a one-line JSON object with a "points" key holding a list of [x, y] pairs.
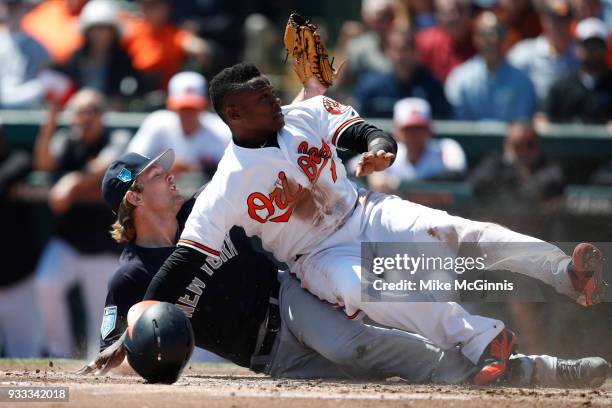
{"points": [[462, 230], [349, 353]]}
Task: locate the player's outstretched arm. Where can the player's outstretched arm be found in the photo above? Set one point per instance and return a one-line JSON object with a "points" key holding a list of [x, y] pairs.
{"points": [[309, 56], [312, 67], [378, 148], [312, 87], [110, 358], [175, 274]]}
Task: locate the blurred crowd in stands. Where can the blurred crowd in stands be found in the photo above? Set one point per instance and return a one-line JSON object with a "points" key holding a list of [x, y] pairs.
{"points": [[526, 63]]}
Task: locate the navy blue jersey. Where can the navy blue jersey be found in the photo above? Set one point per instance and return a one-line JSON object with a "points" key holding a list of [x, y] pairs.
{"points": [[127, 287], [225, 299]]}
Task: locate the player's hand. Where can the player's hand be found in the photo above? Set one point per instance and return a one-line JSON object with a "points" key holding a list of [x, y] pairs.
{"points": [[371, 162], [110, 358], [312, 86]]}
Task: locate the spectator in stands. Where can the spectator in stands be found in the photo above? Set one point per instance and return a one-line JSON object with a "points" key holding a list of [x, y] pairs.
{"points": [[81, 250], [22, 59], [421, 14], [101, 63], [520, 19], [520, 188], [585, 96], [159, 48], [487, 87], [377, 92], [20, 320], [55, 23], [583, 9], [419, 155], [197, 137], [366, 52], [443, 47], [523, 175], [551, 55], [216, 21]]}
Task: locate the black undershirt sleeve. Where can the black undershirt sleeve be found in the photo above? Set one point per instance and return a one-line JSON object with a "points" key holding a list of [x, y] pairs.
{"points": [[175, 274], [363, 137]]}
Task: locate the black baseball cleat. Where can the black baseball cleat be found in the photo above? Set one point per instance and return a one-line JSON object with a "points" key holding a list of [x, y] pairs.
{"points": [[585, 271], [589, 372], [494, 360]]}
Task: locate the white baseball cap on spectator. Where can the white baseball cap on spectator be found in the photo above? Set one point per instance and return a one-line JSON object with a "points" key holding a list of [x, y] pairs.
{"points": [[592, 28], [98, 13], [370, 7], [187, 90], [412, 112]]}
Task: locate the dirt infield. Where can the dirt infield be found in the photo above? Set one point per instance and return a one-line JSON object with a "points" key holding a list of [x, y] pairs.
{"points": [[226, 385]]}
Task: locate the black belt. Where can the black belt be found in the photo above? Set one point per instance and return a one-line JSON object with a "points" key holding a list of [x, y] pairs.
{"points": [[272, 327], [264, 346]]}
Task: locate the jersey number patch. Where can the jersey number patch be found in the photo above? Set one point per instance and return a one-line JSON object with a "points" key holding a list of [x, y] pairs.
{"points": [[313, 160]]}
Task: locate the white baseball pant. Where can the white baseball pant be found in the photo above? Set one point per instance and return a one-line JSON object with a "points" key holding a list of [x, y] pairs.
{"points": [[333, 270]]}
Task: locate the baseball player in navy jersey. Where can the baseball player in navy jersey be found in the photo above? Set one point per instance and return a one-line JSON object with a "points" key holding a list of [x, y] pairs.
{"points": [[241, 311], [281, 180]]}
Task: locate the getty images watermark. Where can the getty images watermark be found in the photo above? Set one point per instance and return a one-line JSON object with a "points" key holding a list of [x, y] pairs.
{"points": [[491, 272], [421, 263]]}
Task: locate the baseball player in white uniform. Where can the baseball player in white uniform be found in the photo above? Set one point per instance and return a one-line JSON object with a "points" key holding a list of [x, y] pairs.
{"points": [[281, 180]]}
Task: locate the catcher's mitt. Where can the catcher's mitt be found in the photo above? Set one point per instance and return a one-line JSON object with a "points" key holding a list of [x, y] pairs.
{"points": [[305, 45]]}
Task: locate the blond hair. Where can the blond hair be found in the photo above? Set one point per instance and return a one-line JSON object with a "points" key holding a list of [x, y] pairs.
{"points": [[124, 230]]}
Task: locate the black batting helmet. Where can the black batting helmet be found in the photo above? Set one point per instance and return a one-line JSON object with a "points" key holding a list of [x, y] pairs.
{"points": [[160, 343]]}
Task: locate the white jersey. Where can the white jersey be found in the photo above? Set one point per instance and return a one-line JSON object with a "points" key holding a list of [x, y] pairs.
{"points": [[162, 130], [291, 197]]}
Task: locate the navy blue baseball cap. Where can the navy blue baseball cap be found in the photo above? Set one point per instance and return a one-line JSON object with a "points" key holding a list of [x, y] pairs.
{"points": [[121, 174]]}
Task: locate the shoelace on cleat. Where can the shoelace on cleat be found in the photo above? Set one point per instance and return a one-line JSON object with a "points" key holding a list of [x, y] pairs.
{"points": [[568, 371]]}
